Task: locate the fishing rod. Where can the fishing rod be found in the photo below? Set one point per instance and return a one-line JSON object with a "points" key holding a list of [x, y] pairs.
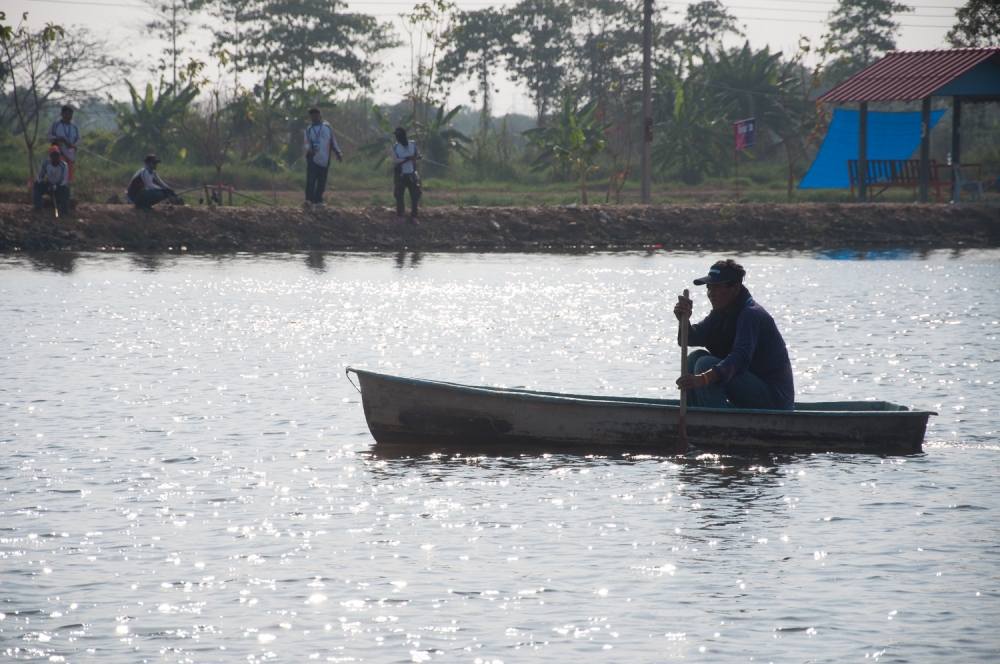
{"points": [[253, 198], [391, 140], [100, 156], [187, 191]]}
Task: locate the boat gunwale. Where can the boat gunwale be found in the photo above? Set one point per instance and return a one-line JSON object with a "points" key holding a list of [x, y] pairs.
{"points": [[644, 402]]}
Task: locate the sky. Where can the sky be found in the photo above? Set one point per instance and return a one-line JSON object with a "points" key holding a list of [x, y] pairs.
{"points": [[777, 23]]}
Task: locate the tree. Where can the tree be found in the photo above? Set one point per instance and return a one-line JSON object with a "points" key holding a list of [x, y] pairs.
{"points": [[977, 23], [748, 83], [313, 41], [475, 48], [441, 140], [694, 134], [437, 136], [150, 122], [24, 54], [212, 131], [859, 31], [706, 23], [539, 47], [229, 33], [245, 124], [571, 144], [40, 69], [606, 67], [759, 84], [171, 22], [606, 54], [428, 27]]}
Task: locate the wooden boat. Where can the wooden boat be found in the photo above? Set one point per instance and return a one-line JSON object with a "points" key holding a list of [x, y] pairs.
{"points": [[428, 415]]}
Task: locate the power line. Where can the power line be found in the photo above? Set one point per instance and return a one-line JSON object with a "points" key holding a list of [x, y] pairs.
{"points": [[90, 3], [822, 22], [95, 3], [409, 3], [824, 12], [830, 5], [757, 19], [772, 19], [825, 3]]}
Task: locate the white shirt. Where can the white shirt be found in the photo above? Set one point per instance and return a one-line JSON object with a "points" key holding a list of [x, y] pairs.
{"points": [[55, 174], [400, 153], [150, 180], [69, 133], [319, 138]]}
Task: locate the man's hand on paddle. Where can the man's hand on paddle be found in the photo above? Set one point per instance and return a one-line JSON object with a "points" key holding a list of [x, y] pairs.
{"points": [[694, 381], [683, 308]]}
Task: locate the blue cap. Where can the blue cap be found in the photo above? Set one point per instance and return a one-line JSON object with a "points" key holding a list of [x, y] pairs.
{"points": [[720, 274]]}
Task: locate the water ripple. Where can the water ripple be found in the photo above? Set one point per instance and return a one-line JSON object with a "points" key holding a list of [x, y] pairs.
{"points": [[187, 477]]}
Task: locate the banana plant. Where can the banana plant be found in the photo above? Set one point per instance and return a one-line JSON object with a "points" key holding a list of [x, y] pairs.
{"points": [[693, 138], [441, 140], [149, 121], [437, 139], [571, 143], [378, 148]]}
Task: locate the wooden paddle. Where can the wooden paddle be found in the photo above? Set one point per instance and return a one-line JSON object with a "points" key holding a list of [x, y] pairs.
{"points": [[682, 411]]}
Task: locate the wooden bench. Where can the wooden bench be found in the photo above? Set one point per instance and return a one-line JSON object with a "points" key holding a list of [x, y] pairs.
{"points": [[889, 173], [886, 173]]}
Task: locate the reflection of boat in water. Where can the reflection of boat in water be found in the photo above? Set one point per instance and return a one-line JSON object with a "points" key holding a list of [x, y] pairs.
{"points": [[425, 415]]}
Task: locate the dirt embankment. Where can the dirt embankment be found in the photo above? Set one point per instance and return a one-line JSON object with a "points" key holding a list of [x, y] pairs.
{"points": [[709, 226]]}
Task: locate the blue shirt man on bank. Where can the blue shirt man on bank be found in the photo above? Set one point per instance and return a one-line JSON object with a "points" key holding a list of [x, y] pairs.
{"points": [[318, 142], [746, 363], [66, 135]]}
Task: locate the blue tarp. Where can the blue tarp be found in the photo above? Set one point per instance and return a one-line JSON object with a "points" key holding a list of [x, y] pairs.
{"points": [[890, 136]]}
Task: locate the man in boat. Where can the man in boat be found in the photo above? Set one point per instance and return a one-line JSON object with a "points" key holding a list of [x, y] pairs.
{"points": [[746, 362]]}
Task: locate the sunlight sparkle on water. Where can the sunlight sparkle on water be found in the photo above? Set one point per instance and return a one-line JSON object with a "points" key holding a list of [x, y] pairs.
{"points": [[186, 471]]}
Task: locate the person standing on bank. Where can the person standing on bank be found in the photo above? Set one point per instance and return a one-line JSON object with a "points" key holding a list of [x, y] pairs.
{"points": [[65, 135], [53, 178], [404, 173], [146, 188], [746, 363], [319, 143]]}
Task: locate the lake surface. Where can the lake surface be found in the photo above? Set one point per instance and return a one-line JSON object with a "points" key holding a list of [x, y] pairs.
{"points": [[186, 475]]}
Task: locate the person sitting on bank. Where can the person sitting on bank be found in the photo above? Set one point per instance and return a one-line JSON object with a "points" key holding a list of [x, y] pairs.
{"points": [[319, 143], [146, 189], [746, 363], [53, 179], [66, 135], [404, 174]]}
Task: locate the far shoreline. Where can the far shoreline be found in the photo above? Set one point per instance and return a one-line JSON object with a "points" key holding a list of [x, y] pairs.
{"points": [[688, 227]]}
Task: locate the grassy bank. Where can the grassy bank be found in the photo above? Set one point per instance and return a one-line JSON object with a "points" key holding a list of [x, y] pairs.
{"points": [[357, 183]]}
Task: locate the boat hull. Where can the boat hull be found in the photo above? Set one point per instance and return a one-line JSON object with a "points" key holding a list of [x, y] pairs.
{"points": [[425, 415]]}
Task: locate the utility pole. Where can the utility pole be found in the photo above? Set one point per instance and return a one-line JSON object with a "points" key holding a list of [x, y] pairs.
{"points": [[647, 97]]}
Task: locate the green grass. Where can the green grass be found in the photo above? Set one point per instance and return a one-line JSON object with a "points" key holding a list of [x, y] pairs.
{"points": [[356, 183]]}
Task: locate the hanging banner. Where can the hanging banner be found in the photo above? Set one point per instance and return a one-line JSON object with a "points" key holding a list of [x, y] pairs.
{"points": [[744, 132]]}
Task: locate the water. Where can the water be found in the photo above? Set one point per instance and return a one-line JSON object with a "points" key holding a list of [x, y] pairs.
{"points": [[185, 474]]}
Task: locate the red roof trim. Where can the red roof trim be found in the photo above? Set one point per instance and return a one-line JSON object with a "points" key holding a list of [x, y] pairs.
{"points": [[908, 75]]}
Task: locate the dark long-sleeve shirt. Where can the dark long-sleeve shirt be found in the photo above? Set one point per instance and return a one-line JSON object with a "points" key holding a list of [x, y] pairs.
{"points": [[758, 347]]}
